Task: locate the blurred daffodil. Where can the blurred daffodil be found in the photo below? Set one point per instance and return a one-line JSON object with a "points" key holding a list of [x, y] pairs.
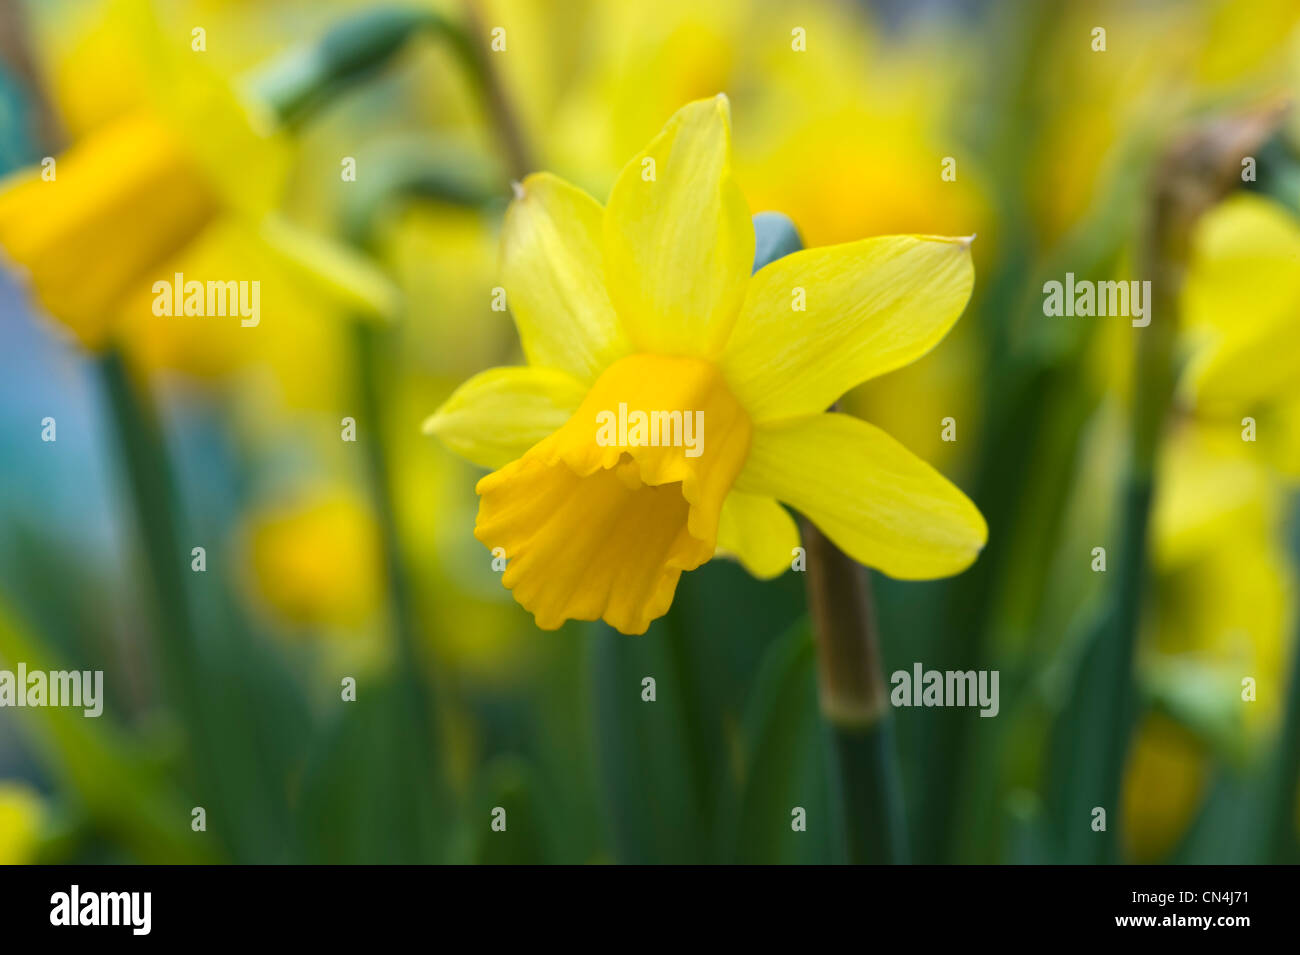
{"points": [[1125, 89], [1220, 511], [648, 304], [1242, 319], [21, 813], [316, 561], [1165, 783], [1223, 591], [1226, 464], [177, 171]]}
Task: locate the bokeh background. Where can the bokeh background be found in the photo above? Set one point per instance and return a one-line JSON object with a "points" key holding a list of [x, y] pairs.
{"points": [[328, 559]]}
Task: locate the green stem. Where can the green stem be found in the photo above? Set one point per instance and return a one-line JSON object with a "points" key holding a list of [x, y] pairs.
{"points": [[851, 684], [371, 363], [475, 54], [370, 370], [149, 482], [298, 84], [854, 703]]}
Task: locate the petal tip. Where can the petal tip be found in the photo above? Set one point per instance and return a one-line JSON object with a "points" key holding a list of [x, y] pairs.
{"points": [[723, 105]]}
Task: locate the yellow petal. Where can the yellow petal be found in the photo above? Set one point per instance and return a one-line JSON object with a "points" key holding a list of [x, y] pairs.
{"points": [[1164, 784], [1229, 609], [587, 547], [1212, 485], [1247, 247], [599, 521], [679, 242], [347, 278], [294, 340], [758, 532], [229, 134], [314, 560], [878, 502], [868, 307], [122, 201], [93, 72], [555, 281], [21, 816], [1241, 305], [499, 414]]}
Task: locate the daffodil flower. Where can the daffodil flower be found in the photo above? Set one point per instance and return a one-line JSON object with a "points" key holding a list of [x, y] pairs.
{"points": [[182, 175], [313, 560], [649, 304]]}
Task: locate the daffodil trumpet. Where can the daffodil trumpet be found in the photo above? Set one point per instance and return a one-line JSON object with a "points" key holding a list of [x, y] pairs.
{"points": [[649, 301], [640, 428]]}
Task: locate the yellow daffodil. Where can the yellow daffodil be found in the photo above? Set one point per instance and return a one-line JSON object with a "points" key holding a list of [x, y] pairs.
{"points": [[647, 305], [831, 115], [315, 560]]}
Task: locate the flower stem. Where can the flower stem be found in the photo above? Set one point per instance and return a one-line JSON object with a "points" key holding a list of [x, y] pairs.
{"points": [[478, 58], [370, 369], [300, 83], [149, 482], [412, 675], [850, 679], [854, 703], [297, 84]]}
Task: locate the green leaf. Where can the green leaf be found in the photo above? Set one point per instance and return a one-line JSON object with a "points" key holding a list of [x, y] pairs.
{"points": [[786, 761], [298, 83], [123, 792], [669, 769], [369, 794], [651, 755], [510, 788]]}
